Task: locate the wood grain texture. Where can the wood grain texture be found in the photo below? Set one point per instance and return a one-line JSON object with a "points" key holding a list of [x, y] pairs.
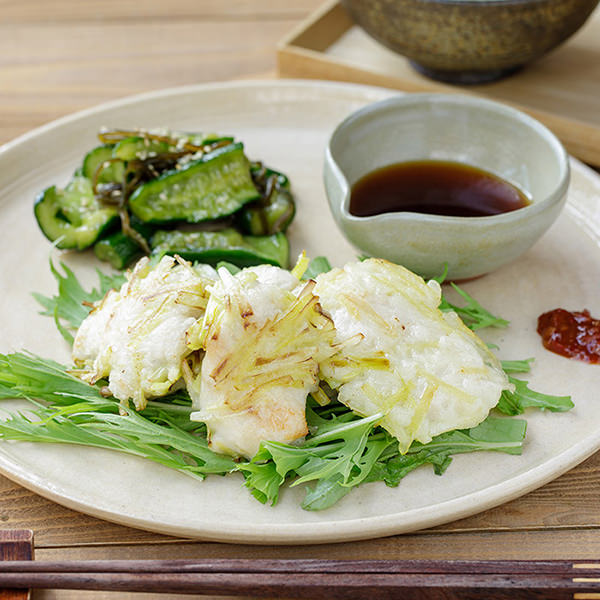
{"points": [[15, 545], [61, 11], [508, 545], [580, 570], [62, 56], [315, 578], [322, 586]]}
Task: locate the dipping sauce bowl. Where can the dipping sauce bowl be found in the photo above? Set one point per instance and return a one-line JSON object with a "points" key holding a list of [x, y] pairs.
{"points": [[439, 127]]}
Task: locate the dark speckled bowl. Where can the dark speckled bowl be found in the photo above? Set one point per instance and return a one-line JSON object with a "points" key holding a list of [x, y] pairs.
{"points": [[470, 41]]}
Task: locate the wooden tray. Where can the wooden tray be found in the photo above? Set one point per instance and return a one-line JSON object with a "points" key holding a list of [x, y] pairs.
{"points": [[562, 89]]}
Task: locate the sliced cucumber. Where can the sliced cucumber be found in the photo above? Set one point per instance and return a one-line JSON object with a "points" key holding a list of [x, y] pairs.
{"points": [[269, 215], [72, 217], [101, 161], [118, 249], [139, 148], [215, 186], [226, 245]]}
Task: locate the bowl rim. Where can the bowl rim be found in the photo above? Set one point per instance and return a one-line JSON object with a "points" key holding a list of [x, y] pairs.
{"points": [[487, 3], [410, 99]]}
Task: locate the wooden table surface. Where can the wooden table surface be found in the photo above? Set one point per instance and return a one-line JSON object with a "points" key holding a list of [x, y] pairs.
{"points": [[59, 56]]}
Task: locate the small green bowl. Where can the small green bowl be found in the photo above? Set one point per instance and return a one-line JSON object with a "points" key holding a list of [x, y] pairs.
{"points": [[470, 41], [473, 131]]}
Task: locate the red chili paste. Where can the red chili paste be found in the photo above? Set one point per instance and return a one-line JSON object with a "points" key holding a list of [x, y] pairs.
{"points": [[572, 334]]}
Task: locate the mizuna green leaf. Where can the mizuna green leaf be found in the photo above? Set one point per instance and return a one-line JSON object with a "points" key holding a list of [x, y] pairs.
{"points": [[515, 403], [67, 307]]}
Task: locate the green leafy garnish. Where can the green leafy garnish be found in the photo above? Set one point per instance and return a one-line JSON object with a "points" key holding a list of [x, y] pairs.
{"points": [[517, 366], [472, 313], [317, 266], [29, 376], [334, 452], [67, 307], [233, 269], [515, 403], [158, 438], [352, 451], [494, 435], [78, 413]]}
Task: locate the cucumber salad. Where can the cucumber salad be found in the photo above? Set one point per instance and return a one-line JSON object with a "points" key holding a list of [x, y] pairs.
{"points": [[210, 357], [195, 195]]}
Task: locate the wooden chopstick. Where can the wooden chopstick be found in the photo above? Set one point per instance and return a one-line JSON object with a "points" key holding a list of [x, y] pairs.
{"points": [[313, 585], [318, 579], [228, 565]]}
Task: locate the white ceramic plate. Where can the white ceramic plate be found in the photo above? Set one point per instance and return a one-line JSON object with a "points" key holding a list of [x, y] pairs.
{"points": [[287, 124]]}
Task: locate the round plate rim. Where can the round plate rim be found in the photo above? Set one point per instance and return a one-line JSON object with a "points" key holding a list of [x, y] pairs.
{"points": [[302, 533]]}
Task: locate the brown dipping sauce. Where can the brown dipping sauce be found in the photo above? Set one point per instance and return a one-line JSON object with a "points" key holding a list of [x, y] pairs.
{"points": [[434, 187], [571, 334]]}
